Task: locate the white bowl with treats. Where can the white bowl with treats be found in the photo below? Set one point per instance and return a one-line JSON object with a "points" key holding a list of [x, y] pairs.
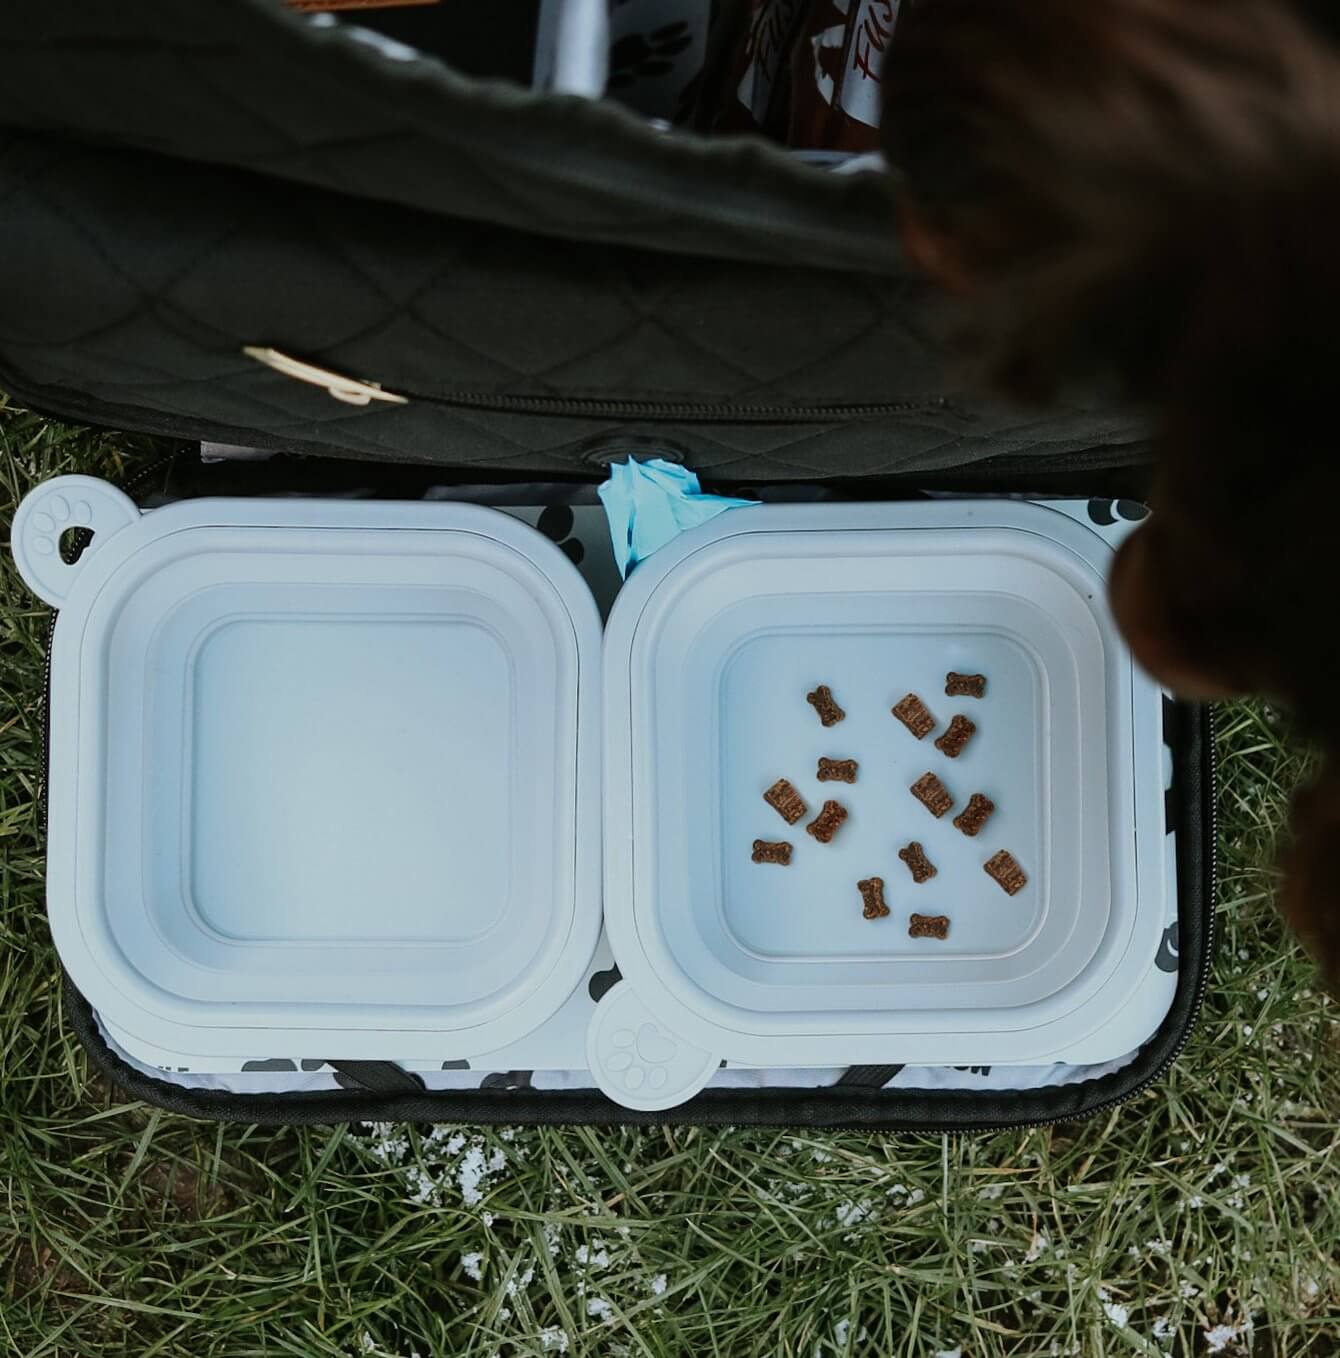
{"points": [[974, 889]]}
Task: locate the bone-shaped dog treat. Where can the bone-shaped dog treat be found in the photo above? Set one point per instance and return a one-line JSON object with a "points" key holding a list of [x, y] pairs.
{"points": [[785, 801], [915, 715], [976, 814], [932, 794], [1001, 867], [872, 898], [928, 926], [965, 685], [772, 851], [825, 705], [837, 770], [921, 867], [960, 732], [827, 823]]}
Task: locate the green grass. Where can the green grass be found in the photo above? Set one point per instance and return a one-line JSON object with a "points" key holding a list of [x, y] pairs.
{"points": [[1209, 1202]]}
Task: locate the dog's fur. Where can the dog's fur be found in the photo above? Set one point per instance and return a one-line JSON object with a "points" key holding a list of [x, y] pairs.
{"points": [[1146, 194]]}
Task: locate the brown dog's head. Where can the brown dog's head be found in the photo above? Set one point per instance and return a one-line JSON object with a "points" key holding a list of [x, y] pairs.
{"points": [[1146, 193]]}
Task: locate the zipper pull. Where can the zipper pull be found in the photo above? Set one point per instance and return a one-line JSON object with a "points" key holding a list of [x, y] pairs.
{"points": [[347, 389]]}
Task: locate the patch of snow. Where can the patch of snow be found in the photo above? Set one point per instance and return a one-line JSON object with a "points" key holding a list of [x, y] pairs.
{"points": [[658, 1285], [554, 1340], [841, 1330], [1220, 1337], [473, 1264], [1116, 1313], [853, 1213], [519, 1284], [599, 1307]]}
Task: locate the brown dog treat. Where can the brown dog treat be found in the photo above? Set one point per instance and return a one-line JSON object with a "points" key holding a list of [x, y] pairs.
{"points": [[915, 715], [928, 926], [772, 851], [965, 685], [872, 898], [932, 794], [921, 867], [837, 770], [976, 814], [825, 705], [827, 823], [1001, 867], [785, 801], [960, 732]]}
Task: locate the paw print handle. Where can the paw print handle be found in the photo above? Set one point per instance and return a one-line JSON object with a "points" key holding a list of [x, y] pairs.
{"points": [[45, 513], [637, 1062]]}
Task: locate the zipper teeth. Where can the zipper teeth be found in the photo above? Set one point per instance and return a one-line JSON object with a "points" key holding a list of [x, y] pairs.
{"points": [[676, 410]]}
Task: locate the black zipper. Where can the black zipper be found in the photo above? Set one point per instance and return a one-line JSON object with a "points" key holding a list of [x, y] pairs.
{"points": [[688, 412], [127, 487]]}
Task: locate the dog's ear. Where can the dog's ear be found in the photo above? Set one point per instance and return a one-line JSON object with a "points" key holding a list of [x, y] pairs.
{"points": [[1310, 897]]}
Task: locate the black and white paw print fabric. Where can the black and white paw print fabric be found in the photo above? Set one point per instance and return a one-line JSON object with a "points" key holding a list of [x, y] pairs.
{"points": [[657, 48]]}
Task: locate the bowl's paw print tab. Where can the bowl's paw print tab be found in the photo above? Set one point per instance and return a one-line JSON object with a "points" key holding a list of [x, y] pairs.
{"points": [[52, 517], [46, 551], [641, 1057], [637, 1061]]}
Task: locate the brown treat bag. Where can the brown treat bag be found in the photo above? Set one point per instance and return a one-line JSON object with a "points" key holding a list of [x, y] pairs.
{"points": [[785, 801], [1002, 868], [978, 811], [960, 732], [772, 851], [932, 794], [928, 926], [965, 685], [872, 898], [915, 715], [828, 822], [837, 770], [921, 867], [745, 84], [823, 702], [837, 67]]}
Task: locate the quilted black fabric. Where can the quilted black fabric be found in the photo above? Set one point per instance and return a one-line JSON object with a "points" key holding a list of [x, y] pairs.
{"points": [[549, 283]]}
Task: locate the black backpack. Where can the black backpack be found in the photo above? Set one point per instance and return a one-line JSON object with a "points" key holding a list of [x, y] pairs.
{"points": [[229, 223]]}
